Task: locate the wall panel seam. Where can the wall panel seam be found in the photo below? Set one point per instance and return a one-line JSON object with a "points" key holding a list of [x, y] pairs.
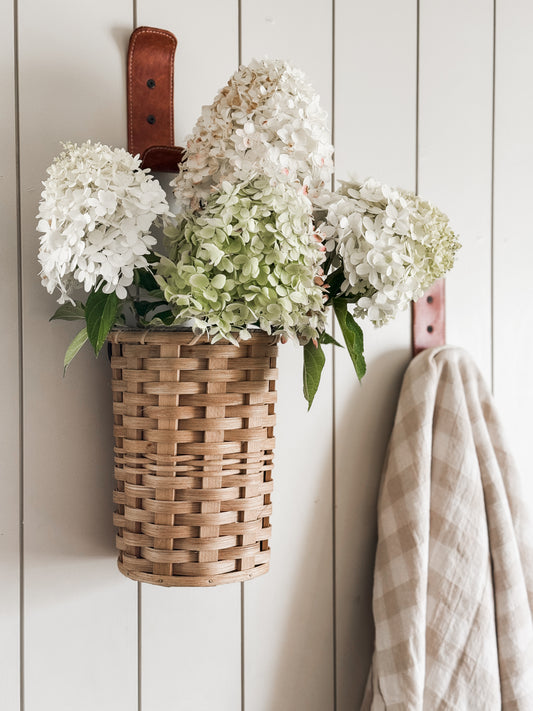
{"points": [[242, 596], [20, 351], [242, 601], [239, 32], [139, 585], [417, 101], [492, 187], [139, 647], [243, 643], [333, 406]]}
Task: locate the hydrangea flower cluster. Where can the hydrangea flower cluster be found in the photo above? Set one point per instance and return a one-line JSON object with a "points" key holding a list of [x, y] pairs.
{"points": [[96, 211], [266, 121], [256, 227], [249, 257], [392, 244]]}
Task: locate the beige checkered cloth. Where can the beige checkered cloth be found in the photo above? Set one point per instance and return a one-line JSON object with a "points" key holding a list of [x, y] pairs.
{"points": [[453, 586]]}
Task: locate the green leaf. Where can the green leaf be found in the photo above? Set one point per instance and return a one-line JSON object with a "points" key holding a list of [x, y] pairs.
{"points": [[314, 360], [335, 280], [69, 312], [153, 258], [327, 340], [166, 317], [101, 313], [353, 336], [145, 279], [74, 348], [144, 307], [162, 318]]}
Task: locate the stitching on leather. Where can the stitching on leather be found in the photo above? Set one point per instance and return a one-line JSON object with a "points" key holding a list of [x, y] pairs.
{"points": [[130, 92], [172, 97], [131, 61]]}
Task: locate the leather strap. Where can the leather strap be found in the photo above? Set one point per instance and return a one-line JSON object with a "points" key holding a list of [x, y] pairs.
{"points": [[151, 98], [429, 322], [163, 158]]}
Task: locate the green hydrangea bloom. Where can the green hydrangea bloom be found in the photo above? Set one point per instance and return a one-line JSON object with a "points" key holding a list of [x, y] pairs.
{"points": [[248, 258]]}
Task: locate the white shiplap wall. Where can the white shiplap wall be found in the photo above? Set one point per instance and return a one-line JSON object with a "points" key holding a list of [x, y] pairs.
{"points": [[429, 94], [80, 619], [10, 571], [375, 134]]}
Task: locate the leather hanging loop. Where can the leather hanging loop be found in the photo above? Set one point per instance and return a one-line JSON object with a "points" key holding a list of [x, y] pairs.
{"points": [[163, 158], [151, 98], [429, 320]]}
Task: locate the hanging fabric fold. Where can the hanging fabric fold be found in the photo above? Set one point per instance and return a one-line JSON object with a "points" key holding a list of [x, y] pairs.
{"points": [[453, 584]]}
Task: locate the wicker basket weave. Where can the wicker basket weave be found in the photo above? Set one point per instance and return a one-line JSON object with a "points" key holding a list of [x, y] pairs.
{"points": [[193, 427]]}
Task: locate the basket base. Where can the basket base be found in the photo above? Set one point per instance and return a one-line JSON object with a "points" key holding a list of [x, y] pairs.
{"points": [[186, 581]]}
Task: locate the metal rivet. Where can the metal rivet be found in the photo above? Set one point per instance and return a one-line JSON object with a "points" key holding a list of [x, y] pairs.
{"points": [[150, 83], [430, 299], [150, 118], [430, 329]]}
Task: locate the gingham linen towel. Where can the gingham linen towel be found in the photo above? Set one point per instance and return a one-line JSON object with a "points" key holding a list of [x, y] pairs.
{"points": [[453, 584]]}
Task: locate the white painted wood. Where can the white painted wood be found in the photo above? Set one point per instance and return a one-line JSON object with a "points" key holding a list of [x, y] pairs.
{"points": [[301, 35], [455, 156], [80, 613], [9, 374], [191, 648], [288, 625], [207, 52], [191, 638], [375, 132], [513, 245]]}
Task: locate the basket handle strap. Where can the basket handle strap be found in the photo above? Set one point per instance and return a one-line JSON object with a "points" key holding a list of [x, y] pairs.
{"points": [[429, 319], [151, 98]]}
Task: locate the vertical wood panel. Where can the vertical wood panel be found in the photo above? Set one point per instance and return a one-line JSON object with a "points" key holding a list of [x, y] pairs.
{"points": [[288, 614], [513, 242], [191, 638], [301, 36], [207, 52], [80, 613], [9, 372], [375, 134], [455, 156]]}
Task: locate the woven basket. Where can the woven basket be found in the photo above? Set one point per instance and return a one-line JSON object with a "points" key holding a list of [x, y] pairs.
{"points": [[193, 427]]}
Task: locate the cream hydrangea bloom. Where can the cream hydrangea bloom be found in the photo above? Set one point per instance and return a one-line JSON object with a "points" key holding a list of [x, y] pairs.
{"points": [[248, 258], [268, 121], [95, 214], [392, 244]]}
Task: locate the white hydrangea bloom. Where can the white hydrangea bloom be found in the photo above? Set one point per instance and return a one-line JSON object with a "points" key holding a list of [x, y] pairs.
{"points": [[393, 245], [268, 121], [95, 214]]}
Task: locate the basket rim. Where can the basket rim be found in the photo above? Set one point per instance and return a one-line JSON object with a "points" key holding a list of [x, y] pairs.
{"points": [[146, 335]]}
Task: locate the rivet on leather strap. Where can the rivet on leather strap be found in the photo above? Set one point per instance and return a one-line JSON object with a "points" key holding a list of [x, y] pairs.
{"points": [[429, 322]]}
